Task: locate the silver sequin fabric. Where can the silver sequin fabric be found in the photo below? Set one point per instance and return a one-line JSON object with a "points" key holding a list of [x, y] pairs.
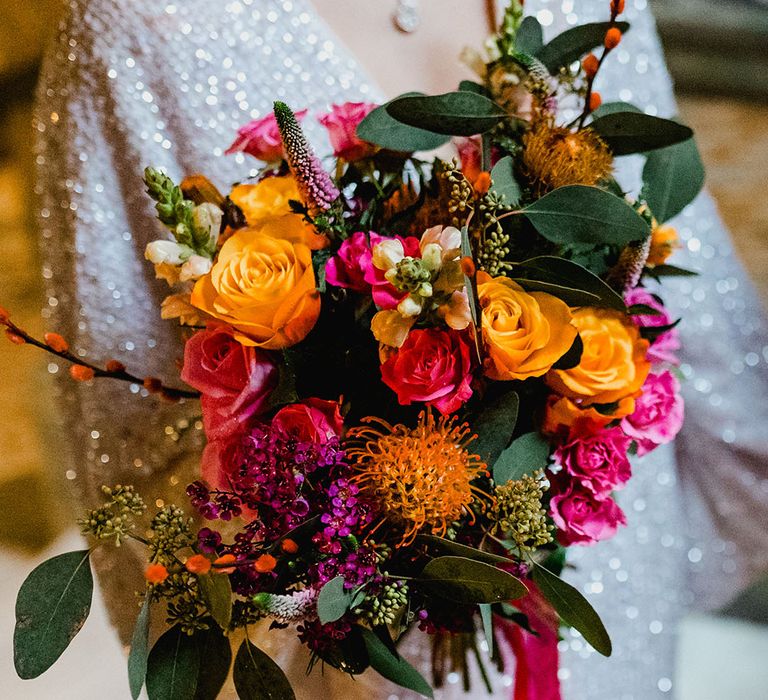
{"points": [[153, 82]]}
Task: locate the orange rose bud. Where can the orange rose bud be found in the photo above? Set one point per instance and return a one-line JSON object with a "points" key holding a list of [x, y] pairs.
{"points": [[155, 573], [483, 182], [153, 385], [81, 373], [265, 563], [56, 342], [612, 38], [14, 337], [590, 65], [198, 564], [5, 315], [115, 366], [222, 562], [289, 546], [468, 266], [595, 100]]}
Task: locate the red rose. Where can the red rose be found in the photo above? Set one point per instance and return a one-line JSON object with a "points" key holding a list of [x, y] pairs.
{"points": [[433, 366], [235, 381], [581, 518], [313, 420]]}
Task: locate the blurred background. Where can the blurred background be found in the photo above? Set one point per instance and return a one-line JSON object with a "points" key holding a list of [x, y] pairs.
{"points": [[718, 54]]}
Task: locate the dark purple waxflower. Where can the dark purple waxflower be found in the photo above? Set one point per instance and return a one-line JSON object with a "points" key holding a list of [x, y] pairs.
{"points": [[208, 540]]}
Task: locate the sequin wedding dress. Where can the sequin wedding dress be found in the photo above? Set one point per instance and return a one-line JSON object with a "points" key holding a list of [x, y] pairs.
{"points": [[167, 84]]}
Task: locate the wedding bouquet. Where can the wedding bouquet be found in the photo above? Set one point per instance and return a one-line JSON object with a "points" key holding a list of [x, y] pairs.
{"points": [[421, 380]]}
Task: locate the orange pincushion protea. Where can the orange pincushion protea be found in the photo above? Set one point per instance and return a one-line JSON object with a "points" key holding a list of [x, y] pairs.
{"points": [[421, 477]]}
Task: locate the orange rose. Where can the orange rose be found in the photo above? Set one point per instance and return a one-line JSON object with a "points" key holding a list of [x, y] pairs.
{"points": [[266, 206], [524, 333], [613, 364], [264, 287], [560, 412]]}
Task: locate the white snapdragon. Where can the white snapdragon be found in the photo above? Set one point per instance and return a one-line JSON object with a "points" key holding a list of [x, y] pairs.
{"points": [[207, 217], [168, 252], [195, 267]]}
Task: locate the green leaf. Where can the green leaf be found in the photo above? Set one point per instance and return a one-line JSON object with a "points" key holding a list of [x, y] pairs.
{"points": [[495, 425], [670, 271], [380, 128], [394, 668], [503, 181], [173, 667], [635, 132], [614, 107], [463, 550], [572, 44], [215, 655], [51, 608], [572, 358], [463, 580], [216, 591], [285, 391], [257, 677], [530, 37], [137, 658], [573, 608], [580, 286], [581, 214], [672, 177], [471, 86], [525, 455], [459, 113], [643, 310], [486, 615], [334, 600]]}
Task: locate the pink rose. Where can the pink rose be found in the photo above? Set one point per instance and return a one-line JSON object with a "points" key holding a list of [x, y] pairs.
{"points": [[658, 414], [596, 457], [663, 348], [341, 123], [384, 294], [313, 420], [235, 381], [261, 139], [580, 517], [348, 267], [433, 366]]}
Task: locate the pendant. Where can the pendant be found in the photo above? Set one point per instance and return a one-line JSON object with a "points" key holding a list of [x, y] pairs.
{"points": [[406, 17]]}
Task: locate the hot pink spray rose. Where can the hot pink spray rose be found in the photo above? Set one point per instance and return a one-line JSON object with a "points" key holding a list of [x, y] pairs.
{"points": [[658, 414], [235, 381], [347, 268], [663, 348], [313, 420], [580, 517], [341, 123], [261, 139], [433, 366], [596, 457]]}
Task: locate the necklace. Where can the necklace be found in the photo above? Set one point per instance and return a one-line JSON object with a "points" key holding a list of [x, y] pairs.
{"points": [[407, 19]]}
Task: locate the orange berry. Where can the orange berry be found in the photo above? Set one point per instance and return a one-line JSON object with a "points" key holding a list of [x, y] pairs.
{"points": [[14, 337], [590, 64], [81, 373], [115, 366], [198, 564], [612, 38], [289, 546], [265, 563], [153, 385], [617, 7], [222, 562], [483, 182], [595, 100], [468, 266], [5, 315], [56, 342], [169, 397], [155, 573]]}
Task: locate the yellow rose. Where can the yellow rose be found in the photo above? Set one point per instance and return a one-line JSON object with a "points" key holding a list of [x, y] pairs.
{"points": [[266, 206], [524, 333], [263, 287], [613, 364]]}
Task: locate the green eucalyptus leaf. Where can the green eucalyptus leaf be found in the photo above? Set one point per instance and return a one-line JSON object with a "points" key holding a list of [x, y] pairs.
{"points": [[382, 129], [526, 454], [471, 86], [503, 181], [393, 667], [672, 177], [614, 107], [670, 271], [581, 214], [530, 36], [51, 608], [459, 113], [573, 43], [494, 426], [215, 655], [462, 550], [570, 295], [486, 615], [216, 591], [173, 666], [572, 358], [257, 677], [636, 132], [137, 658], [573, 608], [467, 581], [334, 600]]}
